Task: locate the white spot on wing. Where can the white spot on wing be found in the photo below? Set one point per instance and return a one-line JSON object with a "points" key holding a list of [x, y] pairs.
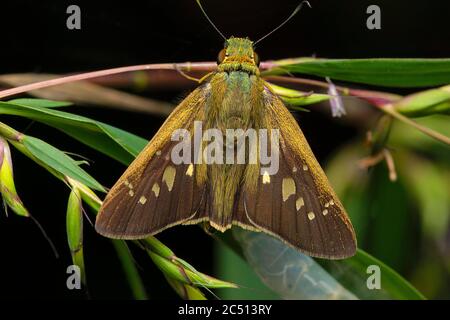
{"points": [[155, 189], [265, 178], [142, 200], [169, 177], [190, 170], [287, 188], [299, 203], [311, 215]]}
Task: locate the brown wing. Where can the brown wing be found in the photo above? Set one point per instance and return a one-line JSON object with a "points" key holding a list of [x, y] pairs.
{"points": [[297, 204], [154, 193]]}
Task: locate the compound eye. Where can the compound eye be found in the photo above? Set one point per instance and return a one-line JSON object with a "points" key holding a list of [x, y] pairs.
{"points": [[256, 59], [221, 56]]}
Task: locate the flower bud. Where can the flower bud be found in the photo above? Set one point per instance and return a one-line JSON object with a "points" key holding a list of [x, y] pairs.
{"points": [[7, 187], [74, 226]]}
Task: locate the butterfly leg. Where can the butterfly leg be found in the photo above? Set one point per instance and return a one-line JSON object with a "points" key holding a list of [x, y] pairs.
{"points": [[184, 74]]}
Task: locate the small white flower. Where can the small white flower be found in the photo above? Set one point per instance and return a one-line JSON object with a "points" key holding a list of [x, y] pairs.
{"points": [[337, 107]]}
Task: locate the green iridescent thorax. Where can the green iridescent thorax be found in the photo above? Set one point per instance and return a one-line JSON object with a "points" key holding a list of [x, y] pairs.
{"points": [[239, 56]]}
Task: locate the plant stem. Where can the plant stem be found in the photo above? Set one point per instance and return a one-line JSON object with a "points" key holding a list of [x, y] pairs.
{"points": [[374, 97], [436, 135], [95, 74], [185, 66]]}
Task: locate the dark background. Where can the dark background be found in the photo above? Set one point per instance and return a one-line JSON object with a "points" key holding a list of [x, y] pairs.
{"points": [[34, 38]]}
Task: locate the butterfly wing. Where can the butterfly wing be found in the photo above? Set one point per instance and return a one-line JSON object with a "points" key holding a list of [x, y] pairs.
{"points": [[153, 193], [297, 204]]}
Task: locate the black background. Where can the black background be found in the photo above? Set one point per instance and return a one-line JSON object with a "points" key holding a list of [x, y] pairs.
{"points": [[34, 38]]}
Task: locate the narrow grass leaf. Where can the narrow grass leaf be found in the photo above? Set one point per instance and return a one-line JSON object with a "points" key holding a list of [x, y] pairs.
{"points": [[40, 103], [353, 272], [289, 273], [131, 272], [381, 71], [116, 143], [59, 161]]}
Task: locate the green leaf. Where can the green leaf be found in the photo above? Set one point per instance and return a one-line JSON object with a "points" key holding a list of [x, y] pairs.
{"points": [[41, 103], [430, 188], [131, 272], [392, 216], [115, 143], [353, 273], [406, 137], [379, 210], [294, 275], [231, 266], [383, 72], [289, 273], [59, 161]]}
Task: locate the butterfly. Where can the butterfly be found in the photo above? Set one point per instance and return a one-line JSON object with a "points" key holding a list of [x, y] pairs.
{"points": [[295, 204]]}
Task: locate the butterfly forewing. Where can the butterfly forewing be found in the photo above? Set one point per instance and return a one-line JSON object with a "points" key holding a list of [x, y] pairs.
{"points": [[303, 211], [154, 193]]}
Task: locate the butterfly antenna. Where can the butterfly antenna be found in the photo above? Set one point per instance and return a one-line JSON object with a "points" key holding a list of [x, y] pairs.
{"points": [[210, 21], [296, 10]]}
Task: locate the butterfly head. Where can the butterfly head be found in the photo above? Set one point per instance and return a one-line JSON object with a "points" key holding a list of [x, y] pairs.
{"points": [[238, 55]]}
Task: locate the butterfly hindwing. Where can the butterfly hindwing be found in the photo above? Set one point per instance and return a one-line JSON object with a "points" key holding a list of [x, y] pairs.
{"points": [[153, 193], [297, 203]]}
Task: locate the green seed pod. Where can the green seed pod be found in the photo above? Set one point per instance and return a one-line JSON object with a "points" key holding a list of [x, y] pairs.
{"points": [[185, 291], [172, 268], [7, 187], [158, 247], [74, 226], [425, 103]]}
